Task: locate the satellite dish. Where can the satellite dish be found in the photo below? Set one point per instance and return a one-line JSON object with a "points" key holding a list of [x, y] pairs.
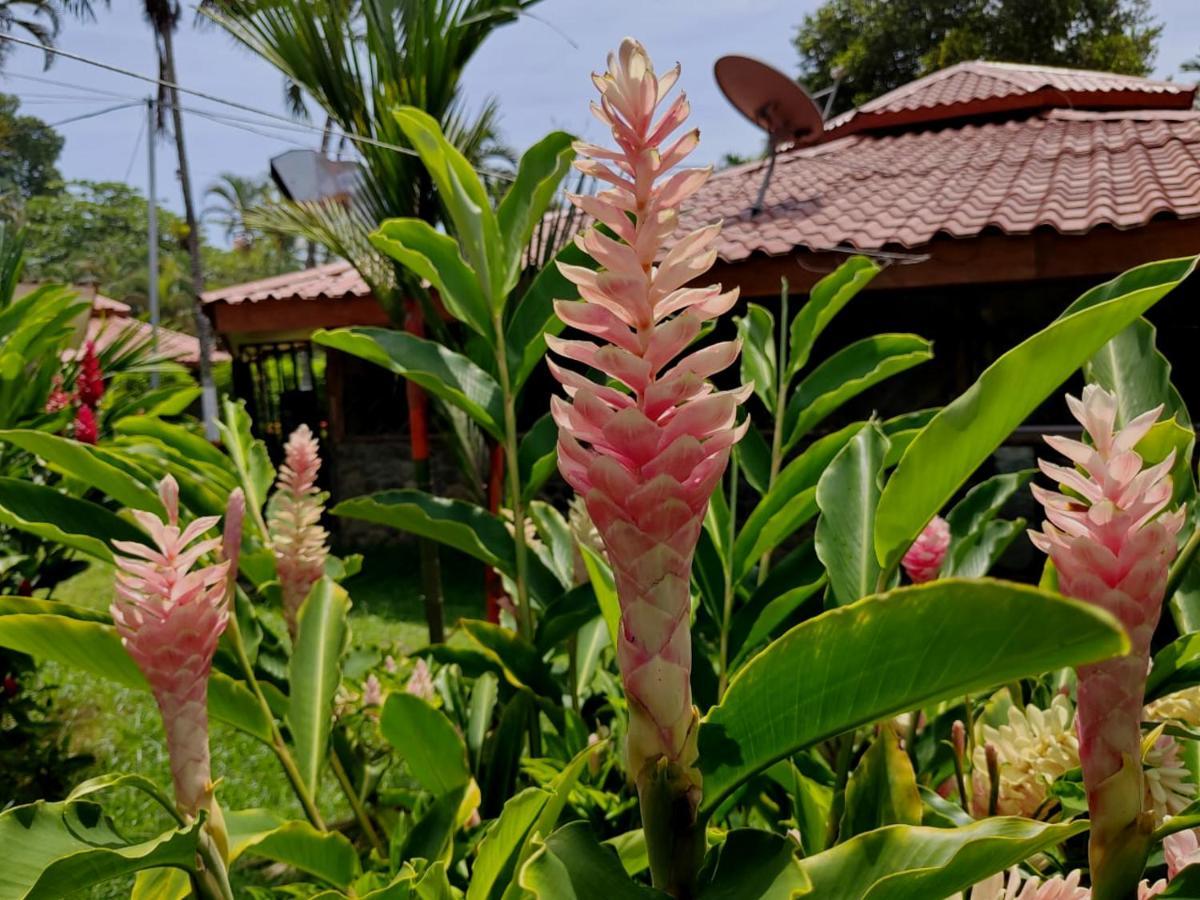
{"points": [[306, 175], [773, 102]]}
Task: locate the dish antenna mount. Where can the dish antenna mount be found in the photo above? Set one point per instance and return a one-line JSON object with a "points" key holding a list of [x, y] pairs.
{"points": [[773, 102]]}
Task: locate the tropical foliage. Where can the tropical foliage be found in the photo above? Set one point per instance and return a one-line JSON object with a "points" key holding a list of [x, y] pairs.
{"points": [[744, 662]]}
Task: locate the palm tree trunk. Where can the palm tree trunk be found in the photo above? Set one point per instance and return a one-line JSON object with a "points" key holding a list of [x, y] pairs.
{"points": [[208, 390]]}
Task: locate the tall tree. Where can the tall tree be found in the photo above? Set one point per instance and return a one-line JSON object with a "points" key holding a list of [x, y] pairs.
{"points": [[881, 44], [163, 16], [29, 151], [40, 20]]}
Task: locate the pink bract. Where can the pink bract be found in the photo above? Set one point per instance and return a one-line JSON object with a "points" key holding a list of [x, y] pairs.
{"points": [[170, 612], [646, 457], [923, 561], [297, 538]]}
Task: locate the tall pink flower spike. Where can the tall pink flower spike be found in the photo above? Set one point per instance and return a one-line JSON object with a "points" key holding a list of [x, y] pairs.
{"points": [[294, 521], [170, 614], [1111, 548], [646, 459], [924, 558]]}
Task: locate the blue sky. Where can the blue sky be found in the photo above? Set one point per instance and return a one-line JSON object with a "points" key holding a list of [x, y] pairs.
{"points": [[537, 68]]}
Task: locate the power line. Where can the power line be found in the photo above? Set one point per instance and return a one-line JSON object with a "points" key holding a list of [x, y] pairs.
{"points": [[129, 73], [93, 114], [137, 144], [41, 79]]}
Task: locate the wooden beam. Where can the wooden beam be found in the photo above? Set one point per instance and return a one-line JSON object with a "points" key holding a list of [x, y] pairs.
{"points": [[237, 321], [991, 259]]}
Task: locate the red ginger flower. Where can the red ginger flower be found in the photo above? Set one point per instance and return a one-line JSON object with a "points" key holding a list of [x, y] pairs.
{"points": [[646, 460], [924, 558], [170, 614], [297, 538], [1111, 548], [86, 431], [90, 381]]}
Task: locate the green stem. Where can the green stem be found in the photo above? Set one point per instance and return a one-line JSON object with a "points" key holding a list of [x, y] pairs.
{"points": [[781, 364], [213, 882], [1182, 563], [277, 743], [727, 606], [842, 776], [524, 613], [356, 804]]}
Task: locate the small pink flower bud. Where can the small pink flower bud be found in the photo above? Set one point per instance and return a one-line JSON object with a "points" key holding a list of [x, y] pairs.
{"points": [[294, 522], [420, 683], [924, 558], [958, 737], [372, 691]]}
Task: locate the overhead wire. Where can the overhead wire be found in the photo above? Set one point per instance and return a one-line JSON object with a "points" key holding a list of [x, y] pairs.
{"points": [[137, 145], [93, 114], [234, 104]]}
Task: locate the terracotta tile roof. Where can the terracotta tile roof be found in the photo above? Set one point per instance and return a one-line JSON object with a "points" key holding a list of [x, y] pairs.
{"points": [[987, 88], [1066, 170], [333, 281], [173, 345]]}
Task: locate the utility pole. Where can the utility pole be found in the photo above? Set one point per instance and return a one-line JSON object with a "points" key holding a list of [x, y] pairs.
{"points": [[152, 237]]}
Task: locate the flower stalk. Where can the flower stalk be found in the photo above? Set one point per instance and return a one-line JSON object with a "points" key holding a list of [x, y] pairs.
{"points": [[1112, 544], [646, 456]]}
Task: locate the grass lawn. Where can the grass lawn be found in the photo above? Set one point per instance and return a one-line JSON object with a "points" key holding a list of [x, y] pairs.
{"points": [[122, 730]]}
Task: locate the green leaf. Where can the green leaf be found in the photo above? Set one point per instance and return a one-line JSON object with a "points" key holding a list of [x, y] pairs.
{"points": [[537, 455], [463, 196], [1176, 666], [35, 606], [519, 660], [53, 516], [825, 301], [965, 432], [605, 589], [759, 864], [512, 838], [52, 850], [922, 644], [179, 438], [438, 369], [882, 789], [1132, 367], [847, 494], [431, 837], [327, 855], [789, 504], [534, 317], [847, 374], [113, 780], [754, 456], [539, 173], [903, 862], [434, 256], [427, 741], [767, 609], [314, 673], [571, 865], [758, 364], [95, 466], [249, 455], [975, 557], [95, 647], [457, 524]]}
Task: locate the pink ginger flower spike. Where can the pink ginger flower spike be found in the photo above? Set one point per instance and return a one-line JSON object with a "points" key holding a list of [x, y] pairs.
{"points": [[294, 521], [1111, 548], [170, 613], [646, 459], [923, 561]]}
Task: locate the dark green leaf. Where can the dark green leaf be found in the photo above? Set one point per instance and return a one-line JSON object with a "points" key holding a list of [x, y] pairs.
{"points": [[925, 643], [968, 430], [537, 455], [55, 517], [882, 789], [427, 741], [438, 369], [327, 855], [758, 864], [847, 494], [825, 301], [571, 865]]}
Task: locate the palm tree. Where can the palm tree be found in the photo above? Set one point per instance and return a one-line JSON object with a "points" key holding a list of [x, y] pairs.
{"points": [[359, 60], [163, 16], [40, 19], [231, 200]]}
